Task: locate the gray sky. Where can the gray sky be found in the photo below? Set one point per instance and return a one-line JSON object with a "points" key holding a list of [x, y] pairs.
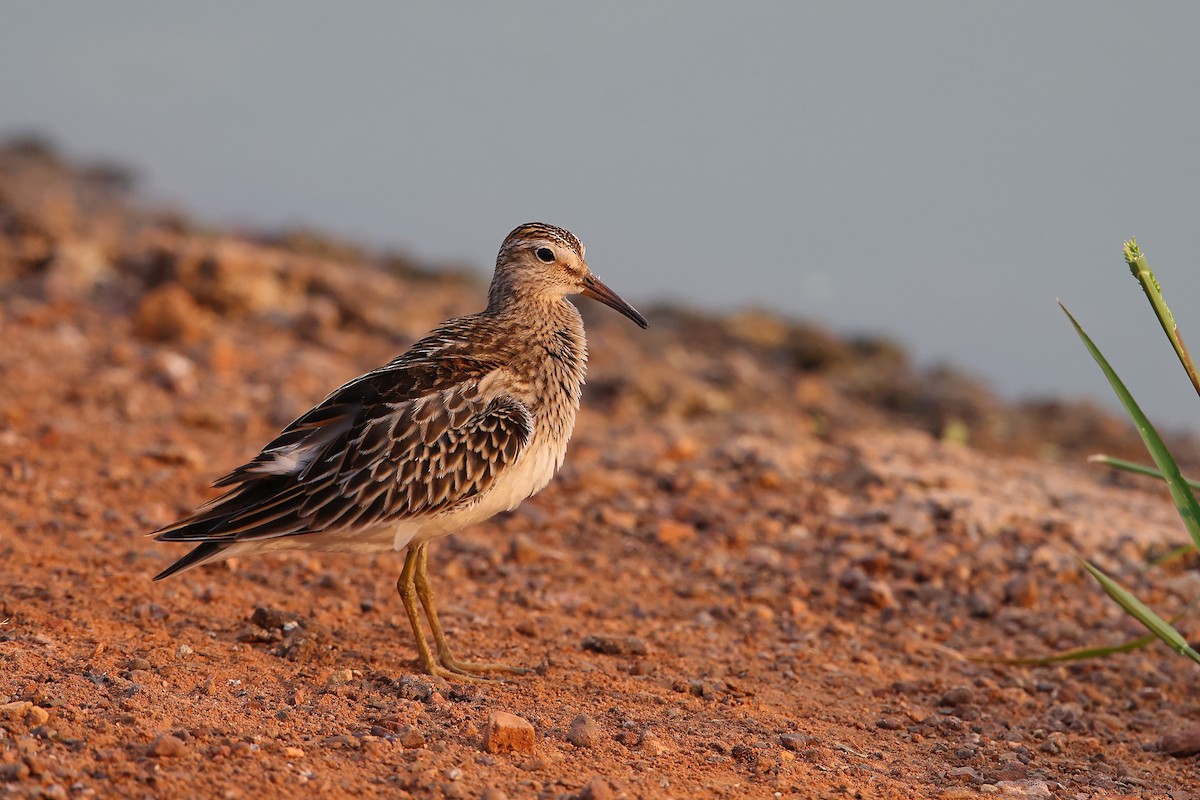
{"points": [[939, 172]]}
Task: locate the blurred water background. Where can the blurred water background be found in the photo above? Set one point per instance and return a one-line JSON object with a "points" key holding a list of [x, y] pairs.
{"points": [[935, 172]]}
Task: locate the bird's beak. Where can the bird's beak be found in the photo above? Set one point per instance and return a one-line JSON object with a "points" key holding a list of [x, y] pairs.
{"points": [[595, 289]]}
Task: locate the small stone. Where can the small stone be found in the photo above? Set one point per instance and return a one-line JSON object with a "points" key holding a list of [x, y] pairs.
{"points": [[795, 741], [673, 533], [889, 723], [959, 695], [523, 551], [170, 313], [653, 746], [37, 716], [339, 677], [293, 752], [271, 618], [1021, 591], [596, 789], [410, 738], [17, 771], [615, 646], [15, 709], [508, 733], [1030, 790], [492, 793], [167, 746], [583, 731], [869, 592], [1184, 742]]}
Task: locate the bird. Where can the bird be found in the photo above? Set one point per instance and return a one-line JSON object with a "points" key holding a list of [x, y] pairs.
{"points": [[470, 421]]}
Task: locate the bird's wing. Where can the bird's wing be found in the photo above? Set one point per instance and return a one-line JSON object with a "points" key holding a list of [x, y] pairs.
{"points": [[402, 442]]}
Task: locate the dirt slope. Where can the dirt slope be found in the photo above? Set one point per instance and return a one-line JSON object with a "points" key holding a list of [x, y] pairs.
{"points": [[759, 574]]}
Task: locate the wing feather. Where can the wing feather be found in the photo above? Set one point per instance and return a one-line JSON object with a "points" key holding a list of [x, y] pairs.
{"points": [[357, 465]]}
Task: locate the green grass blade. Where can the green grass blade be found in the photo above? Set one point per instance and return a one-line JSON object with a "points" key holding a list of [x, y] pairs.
{"points": [[1085, 652], [1142, 613], [1171, 555], [1141, 270], [1073, 655], [1185, 501], [1137, 469]]}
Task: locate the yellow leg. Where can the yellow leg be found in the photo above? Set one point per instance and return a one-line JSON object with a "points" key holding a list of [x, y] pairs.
{"points": [[447, 659], [408, 596]]}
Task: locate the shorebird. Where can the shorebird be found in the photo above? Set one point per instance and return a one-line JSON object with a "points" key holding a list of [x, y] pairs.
{"points": [[469, 422]]}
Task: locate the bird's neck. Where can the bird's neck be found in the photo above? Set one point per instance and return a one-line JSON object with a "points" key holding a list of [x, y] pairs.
{"points": [[539, 317]]}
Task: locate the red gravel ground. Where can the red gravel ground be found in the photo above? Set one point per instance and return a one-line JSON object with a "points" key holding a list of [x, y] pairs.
{"points": [[763, 572]]}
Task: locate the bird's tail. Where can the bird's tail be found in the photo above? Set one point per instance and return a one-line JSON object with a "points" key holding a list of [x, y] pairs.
{"points": [[202, 553]]}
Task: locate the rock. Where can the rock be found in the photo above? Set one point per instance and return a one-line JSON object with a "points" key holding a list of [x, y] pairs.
{"points": [[673, 533], [583, 731], [167, 746], [596, 789], [523, 550], [492, 793], [37, 716], [410, 738], [1184, 742], [508, 733], [15, 709], [874, 593], [1021, 591], [615, 646], [169, 313], [653, 746], [795, 741], [76, 268], [1032, 790], [959, 695], [889, 723]]}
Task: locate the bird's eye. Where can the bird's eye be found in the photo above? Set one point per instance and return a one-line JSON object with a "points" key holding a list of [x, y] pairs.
{"points": [[544, 254]]}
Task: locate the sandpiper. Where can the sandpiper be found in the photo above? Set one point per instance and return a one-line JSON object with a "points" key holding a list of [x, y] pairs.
{"points": [[472, 420]]}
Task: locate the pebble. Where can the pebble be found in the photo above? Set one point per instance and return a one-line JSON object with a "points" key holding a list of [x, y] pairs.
{"points": [[615, 646], [673, 533], [1021, 591], [167, 746], [17, 771], [795, 741], [1032, 790], [1181, 743], [583, 731], [492, 793], [410, 738], [869, 592], [169, 313], [596, 789], [653, 746], [508, 733], [959, 695], [15, 709]]}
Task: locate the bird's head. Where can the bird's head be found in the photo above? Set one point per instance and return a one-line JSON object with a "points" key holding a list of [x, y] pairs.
{"points": [[546, 261]]}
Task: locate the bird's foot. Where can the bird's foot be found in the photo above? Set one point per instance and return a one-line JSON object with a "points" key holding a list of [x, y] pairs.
{"points": [[448, 667]]}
